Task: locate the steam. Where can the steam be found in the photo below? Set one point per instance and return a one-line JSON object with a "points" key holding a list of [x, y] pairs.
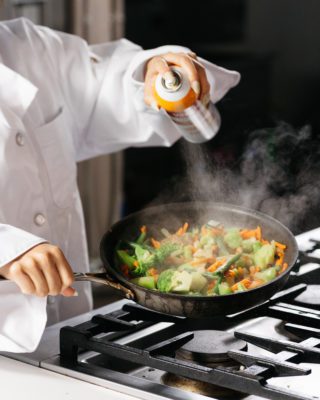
{"points": [[278, 174]]}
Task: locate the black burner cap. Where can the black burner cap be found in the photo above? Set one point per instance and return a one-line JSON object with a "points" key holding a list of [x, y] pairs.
{"points": [[210, 346]]}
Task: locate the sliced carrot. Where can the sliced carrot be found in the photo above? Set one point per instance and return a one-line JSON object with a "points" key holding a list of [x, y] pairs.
{"points": [[249, 233], [229, 280], [179, 232], [280, 259], [256, 283], [136, 264], [185, 227], [200, 261], [265, 241], [246, 234], [152, 271], [216, 265], [155, 243], [258, 233], [280, 245], [143, 229], [284, 267], [245, 282], [230, 274]]}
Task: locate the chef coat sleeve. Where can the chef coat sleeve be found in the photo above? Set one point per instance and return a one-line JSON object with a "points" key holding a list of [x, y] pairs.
{"points": [[103, 90], [13, 243]]}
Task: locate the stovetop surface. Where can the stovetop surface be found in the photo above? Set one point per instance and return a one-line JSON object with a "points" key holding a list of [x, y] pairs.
{"points": [[146, 382]]}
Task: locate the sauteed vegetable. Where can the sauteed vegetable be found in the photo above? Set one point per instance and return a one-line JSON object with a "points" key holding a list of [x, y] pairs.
{"points": [[209, 260]]}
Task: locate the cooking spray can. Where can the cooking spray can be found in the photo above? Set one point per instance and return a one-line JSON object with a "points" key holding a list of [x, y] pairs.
{"points": [[196, 122]]}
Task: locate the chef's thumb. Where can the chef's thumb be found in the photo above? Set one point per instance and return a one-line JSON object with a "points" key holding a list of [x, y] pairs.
{"points": [[69, 292]]}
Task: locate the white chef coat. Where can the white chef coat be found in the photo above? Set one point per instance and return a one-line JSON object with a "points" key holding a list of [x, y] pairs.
{"points": [[61, 102]]}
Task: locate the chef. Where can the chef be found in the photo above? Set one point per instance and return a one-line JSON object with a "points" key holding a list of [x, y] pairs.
{"points": [[62, 102]]}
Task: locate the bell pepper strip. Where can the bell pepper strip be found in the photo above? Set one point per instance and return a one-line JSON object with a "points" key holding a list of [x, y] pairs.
{"points": [[125, 270]]}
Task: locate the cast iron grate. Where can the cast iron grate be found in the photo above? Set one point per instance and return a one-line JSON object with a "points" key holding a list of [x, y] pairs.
{"points": [[98, 335]]}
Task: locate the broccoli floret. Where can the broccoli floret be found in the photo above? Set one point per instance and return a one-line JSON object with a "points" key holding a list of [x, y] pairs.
{"points": [[233, 238], [265, 255], [165, 283], [147, 257], [248, 244], [165, 250]]}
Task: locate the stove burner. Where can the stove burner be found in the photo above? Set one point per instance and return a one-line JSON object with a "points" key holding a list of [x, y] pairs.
{"points": [[203, 388], [310, 297], [210, 346]]}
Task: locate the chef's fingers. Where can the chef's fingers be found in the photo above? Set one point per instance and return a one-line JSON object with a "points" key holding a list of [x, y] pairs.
{"points": [[51, 274], [69, 292], [18, 276], [157, 65], [63, 267], [205, 85], [184, 61], [33, 269]]}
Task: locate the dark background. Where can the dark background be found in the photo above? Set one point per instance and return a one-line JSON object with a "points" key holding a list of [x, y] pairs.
{"points": [[274, 44]]}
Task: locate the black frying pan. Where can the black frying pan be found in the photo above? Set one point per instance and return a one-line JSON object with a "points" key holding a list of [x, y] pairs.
{"points": [[172, 216]]}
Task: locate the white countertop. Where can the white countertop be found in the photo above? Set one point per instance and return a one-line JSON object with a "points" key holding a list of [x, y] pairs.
{"points": [[23, 381]]}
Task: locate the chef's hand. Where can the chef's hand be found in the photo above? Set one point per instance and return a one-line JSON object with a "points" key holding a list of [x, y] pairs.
{"points": [[41, 271], [188, 61]]}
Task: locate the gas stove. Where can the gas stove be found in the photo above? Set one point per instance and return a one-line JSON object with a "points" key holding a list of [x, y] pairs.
{"points": [[271, 351]]}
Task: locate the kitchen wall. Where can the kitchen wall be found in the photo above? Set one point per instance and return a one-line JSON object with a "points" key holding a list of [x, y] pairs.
{"points": [[290, 30], [52, 13]]}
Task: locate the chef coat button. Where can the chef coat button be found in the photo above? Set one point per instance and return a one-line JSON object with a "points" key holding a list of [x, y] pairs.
{"points": [[20, 139], [39, 219], [51, 299]]}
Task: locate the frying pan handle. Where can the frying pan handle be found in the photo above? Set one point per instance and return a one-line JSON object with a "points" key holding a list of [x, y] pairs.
{"points": [[103, 279]]}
